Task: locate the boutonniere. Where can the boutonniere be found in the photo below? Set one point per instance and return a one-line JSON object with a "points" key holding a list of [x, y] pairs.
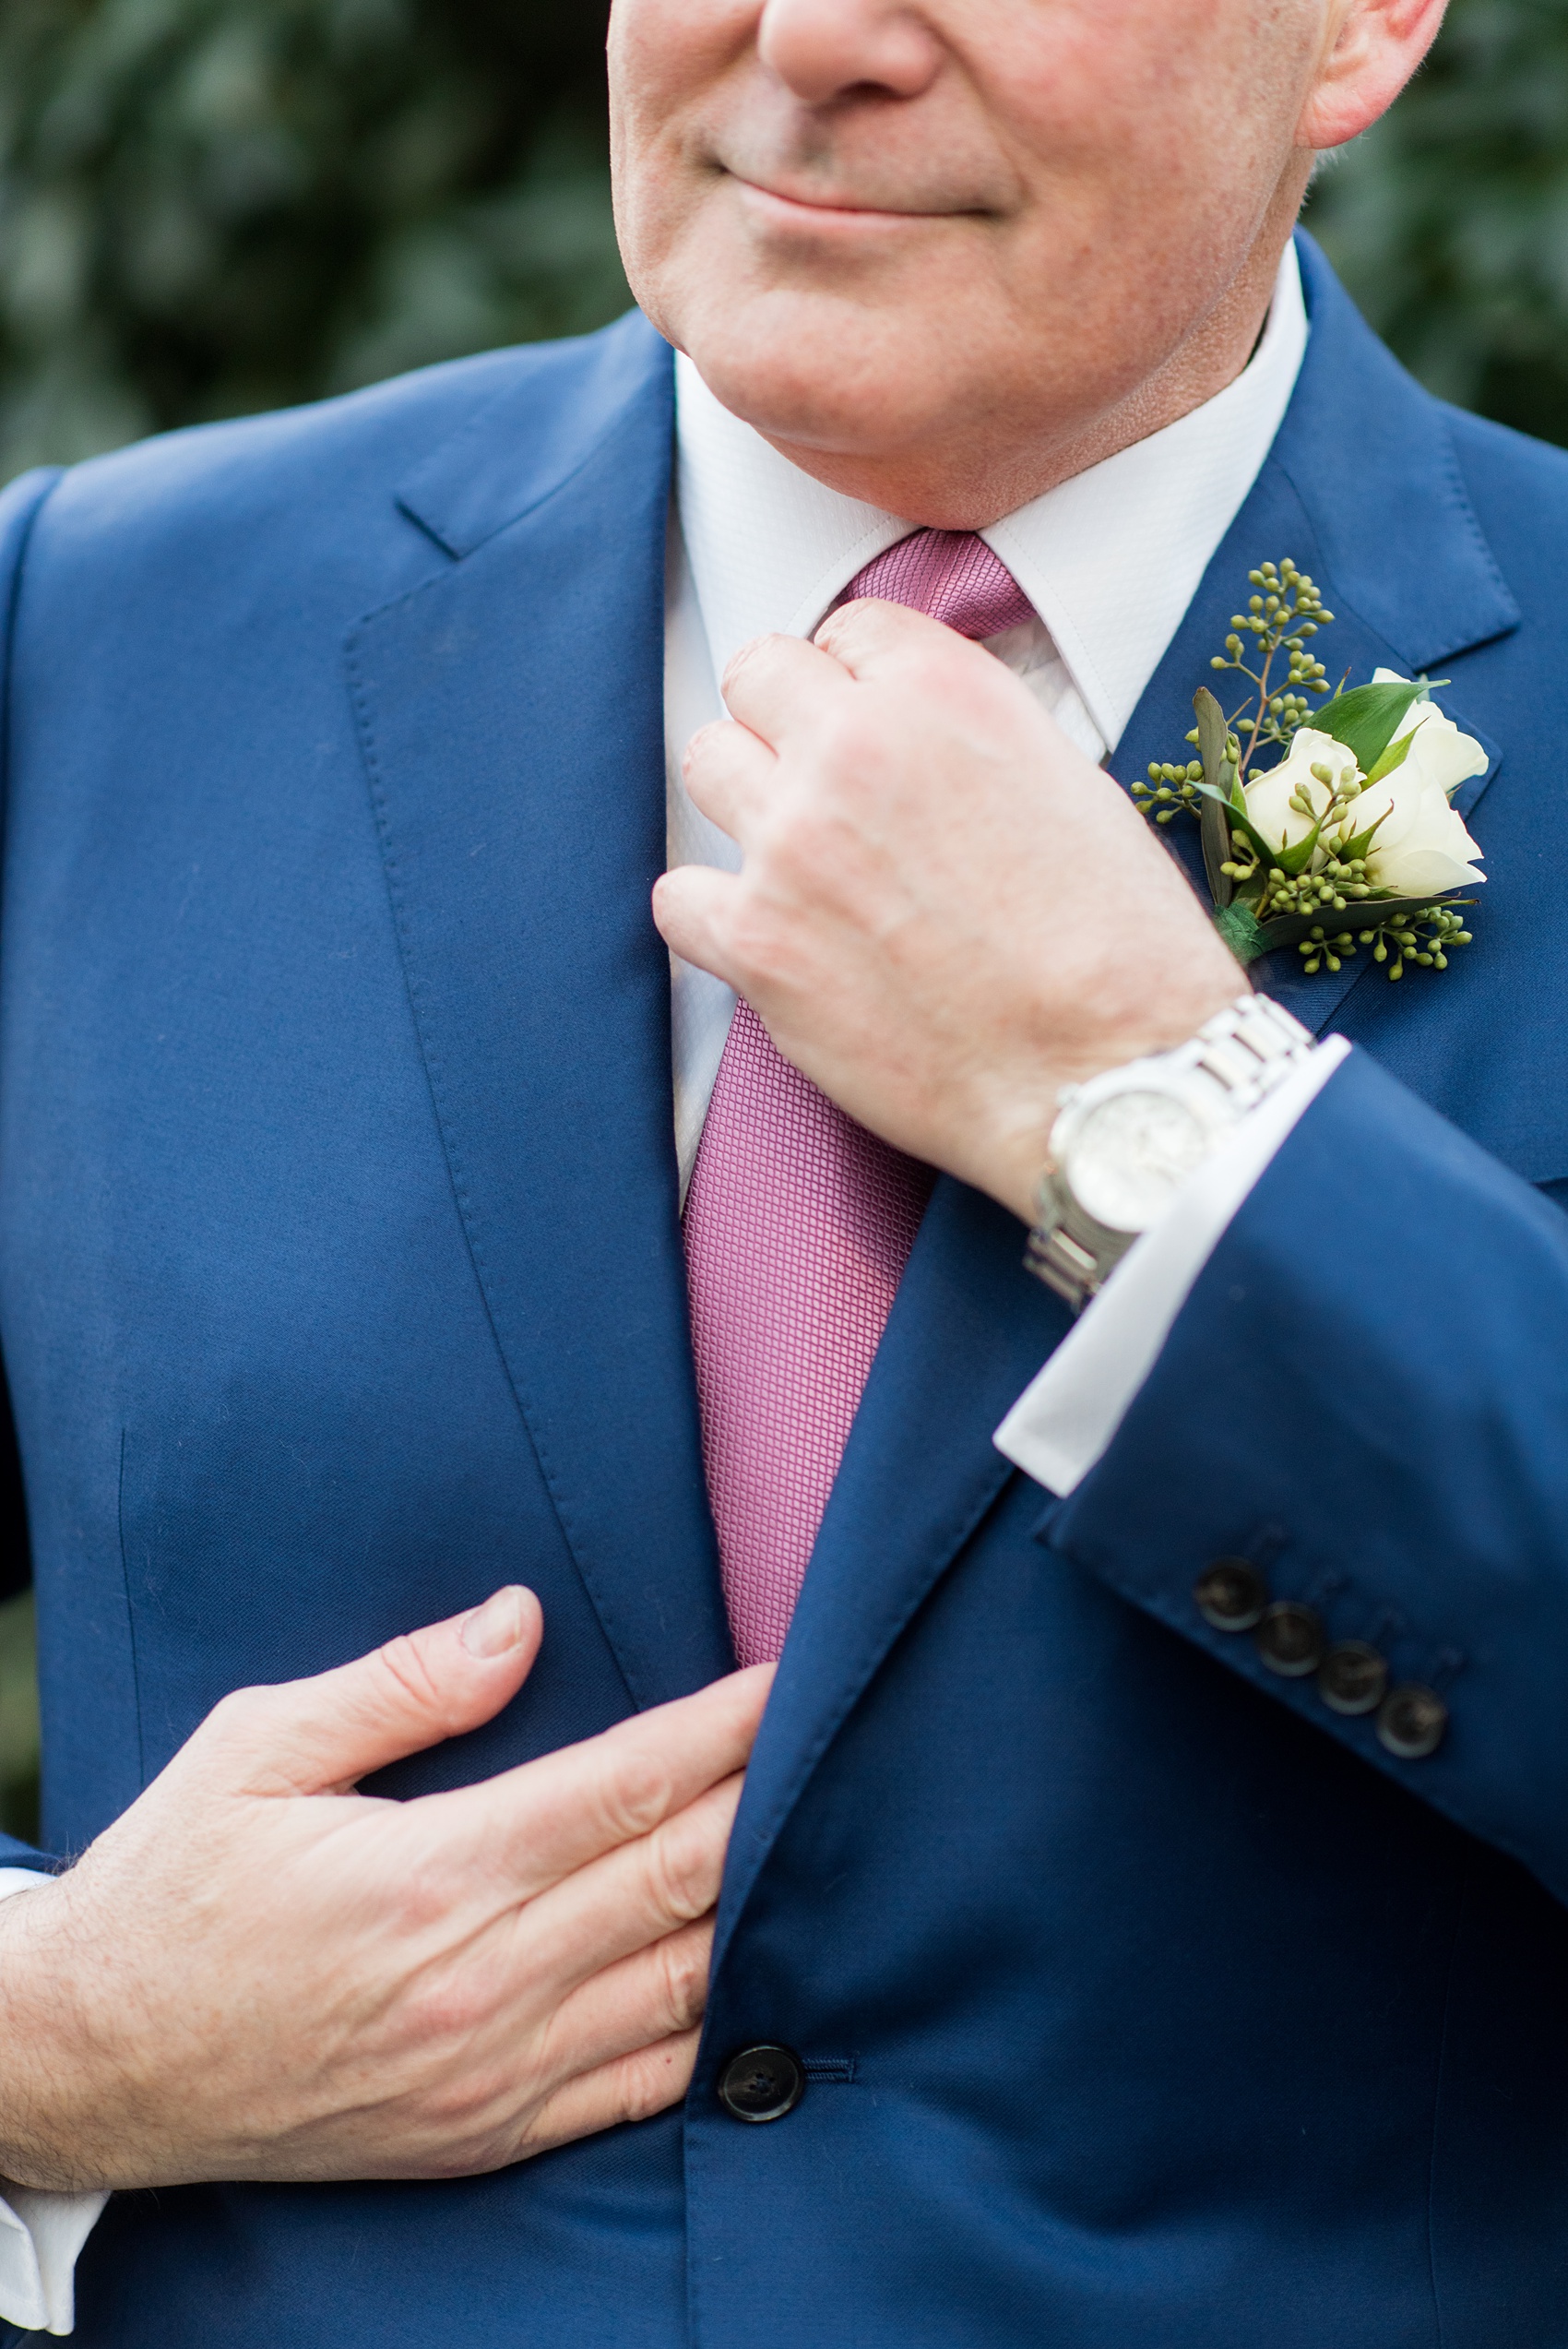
{"points": [[1346, 838]]}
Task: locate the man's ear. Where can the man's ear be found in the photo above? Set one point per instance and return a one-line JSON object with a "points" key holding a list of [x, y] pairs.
{"points": [[1372, 48]]}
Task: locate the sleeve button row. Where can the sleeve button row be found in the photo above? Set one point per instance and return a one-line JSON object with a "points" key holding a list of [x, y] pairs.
{"points": [[1411, 1720], [1290, 1638], [1352, 1677], [1231, 1594]]}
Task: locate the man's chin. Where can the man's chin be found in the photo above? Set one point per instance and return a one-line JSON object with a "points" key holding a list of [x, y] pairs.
{"points": [[824, 372]]}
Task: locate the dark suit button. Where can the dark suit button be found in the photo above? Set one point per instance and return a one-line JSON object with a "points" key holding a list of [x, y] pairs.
{"points": [[1291, 1638], [1352, 1677], [762, 2083], [1411, 1721], [1231, 1594]]}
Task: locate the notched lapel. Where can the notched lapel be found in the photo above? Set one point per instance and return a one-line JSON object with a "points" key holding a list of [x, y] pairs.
{"points": [[511, 715]]}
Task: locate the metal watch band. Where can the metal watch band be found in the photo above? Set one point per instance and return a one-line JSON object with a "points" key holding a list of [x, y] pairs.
{"points": [[1235, 1060]]}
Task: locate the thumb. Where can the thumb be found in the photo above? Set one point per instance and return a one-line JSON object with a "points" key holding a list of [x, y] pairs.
{"points": [[323, 1735]]}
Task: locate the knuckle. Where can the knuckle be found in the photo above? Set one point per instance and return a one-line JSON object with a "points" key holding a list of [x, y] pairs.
{"points": [[421, 1902], [236, 1719], [637, 1795], [753, 933], [683, 1961], [652, 2079], [705, 743], [406, 1678], [467, 2125], [769, 939], [444, 2010], [811, 851], [685, 1859], [399, 1660], [852, 735], [760, 649]]}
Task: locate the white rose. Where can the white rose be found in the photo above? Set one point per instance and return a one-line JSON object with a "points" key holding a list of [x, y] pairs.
{"points": [[1421, 848], [1268, 798]]}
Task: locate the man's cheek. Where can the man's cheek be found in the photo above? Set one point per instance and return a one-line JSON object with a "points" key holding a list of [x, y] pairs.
{"points": [[665, 53]]}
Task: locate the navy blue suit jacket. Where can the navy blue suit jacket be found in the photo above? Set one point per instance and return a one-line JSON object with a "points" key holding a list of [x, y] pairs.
{"points": [[1143, 2000]]}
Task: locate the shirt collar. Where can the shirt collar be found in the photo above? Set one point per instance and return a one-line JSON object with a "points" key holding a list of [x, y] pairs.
{"points": [[1110, 560]]}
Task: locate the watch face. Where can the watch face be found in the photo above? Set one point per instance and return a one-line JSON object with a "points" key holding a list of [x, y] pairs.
{"points": [[1130, 1154]]}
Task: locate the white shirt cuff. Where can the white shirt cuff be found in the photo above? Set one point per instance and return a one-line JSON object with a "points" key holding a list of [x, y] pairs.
{"points": [[41, 2235], [1063, 1420]]}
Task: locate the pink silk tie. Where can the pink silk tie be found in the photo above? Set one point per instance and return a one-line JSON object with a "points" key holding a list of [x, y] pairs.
{"points": [[798, 1224]]}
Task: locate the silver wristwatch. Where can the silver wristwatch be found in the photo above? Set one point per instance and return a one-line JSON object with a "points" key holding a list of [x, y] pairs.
{"points": [[1124, 1143]]}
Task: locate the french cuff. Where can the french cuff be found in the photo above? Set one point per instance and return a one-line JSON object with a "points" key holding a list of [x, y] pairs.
{"points": [[1064, 1420], [41, 2235]]}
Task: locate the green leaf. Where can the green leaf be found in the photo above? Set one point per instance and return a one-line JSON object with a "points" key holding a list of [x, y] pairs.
{"points": [[1367, 719], [1238, 926], [1363, 913], [1215, 829], [1394, 757], [1239, 819], [1215, 834], [1213, 736], [1359, 842], [1299, 855], [1287, 929]]}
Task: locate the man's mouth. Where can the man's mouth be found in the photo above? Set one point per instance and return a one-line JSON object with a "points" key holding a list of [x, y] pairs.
{"points": [[823, 212]]}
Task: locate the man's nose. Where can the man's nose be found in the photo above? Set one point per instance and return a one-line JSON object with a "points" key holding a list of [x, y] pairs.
{"points": [[823, 49]]}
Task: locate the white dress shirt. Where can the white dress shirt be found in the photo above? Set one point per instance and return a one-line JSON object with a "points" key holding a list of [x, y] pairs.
{"points": [[1109, 561]]}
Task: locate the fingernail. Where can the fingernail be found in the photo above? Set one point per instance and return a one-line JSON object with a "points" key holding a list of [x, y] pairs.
{"points": [[496, 1626]]}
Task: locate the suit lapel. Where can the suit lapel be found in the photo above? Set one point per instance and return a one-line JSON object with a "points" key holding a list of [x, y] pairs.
{"points": [[510, 712], [1364, 490]]}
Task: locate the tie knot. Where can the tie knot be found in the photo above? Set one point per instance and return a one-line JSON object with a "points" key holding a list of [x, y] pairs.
{"points": [[952, 575]]}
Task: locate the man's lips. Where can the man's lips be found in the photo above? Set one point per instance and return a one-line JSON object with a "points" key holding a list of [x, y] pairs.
{"points": [[813, 213]]}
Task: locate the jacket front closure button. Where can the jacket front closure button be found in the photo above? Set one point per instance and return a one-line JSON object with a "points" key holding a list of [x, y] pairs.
{"points": [[762, 2083]]}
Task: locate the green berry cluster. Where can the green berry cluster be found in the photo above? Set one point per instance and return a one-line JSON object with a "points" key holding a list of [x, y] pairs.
{"points": [[1169, 789], [1424, 938], [1338, 885], [1283, 613]]}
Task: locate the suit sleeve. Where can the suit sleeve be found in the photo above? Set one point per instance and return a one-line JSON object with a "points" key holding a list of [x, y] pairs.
{"points": [[1364, 1404], [19, 506], [41, 2235]]}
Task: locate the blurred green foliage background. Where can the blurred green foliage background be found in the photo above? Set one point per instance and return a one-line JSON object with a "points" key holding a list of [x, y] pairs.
{"points": [[1449, 222], [208, 207]]}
